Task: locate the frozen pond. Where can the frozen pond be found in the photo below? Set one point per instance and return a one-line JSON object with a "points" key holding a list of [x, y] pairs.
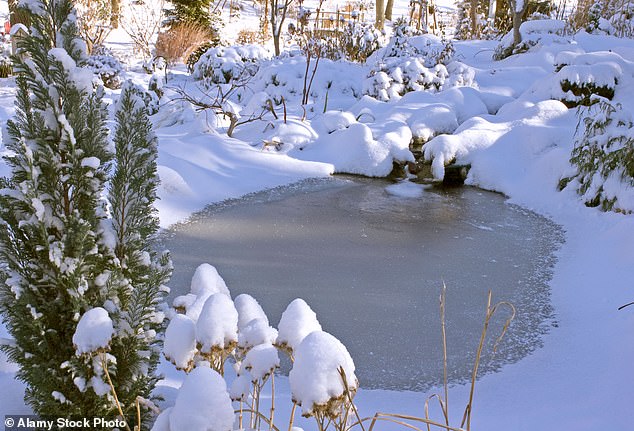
{"points": [[371, 264]]}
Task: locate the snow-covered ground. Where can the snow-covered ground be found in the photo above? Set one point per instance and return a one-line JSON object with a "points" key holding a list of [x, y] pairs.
{"points": [[518, 142]]}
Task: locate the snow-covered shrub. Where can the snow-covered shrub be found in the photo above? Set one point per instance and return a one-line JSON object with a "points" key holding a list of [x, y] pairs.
{"points": [[179, 41], [604, 158], [414, 63], [150, 99], [67, 245], [355, 42], [534, 34], [223, 65], [398, 76], [193, 58], [5, 56], [584, 75], [315, 379], [612, 17], [106, 66], [202, 403]]}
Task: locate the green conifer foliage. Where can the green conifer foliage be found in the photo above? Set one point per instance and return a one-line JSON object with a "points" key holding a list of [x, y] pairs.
{"points": [[60, 253], [132, 194]]}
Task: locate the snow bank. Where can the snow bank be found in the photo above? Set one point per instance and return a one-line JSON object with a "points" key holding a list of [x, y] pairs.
{"points": [[94, 331]]}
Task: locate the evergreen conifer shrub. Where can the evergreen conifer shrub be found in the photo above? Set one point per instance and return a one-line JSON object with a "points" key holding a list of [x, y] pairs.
{"points": [[61, 253]]}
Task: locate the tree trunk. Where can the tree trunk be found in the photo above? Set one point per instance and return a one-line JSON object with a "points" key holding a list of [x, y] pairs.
{"points": [[473, 14], [115, 11], [388, 10], [380, 14], [517, 21]]}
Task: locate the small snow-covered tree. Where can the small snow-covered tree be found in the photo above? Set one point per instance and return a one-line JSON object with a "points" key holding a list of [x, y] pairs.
{"points": [[132, 194], [60, 255], [53, 250]]}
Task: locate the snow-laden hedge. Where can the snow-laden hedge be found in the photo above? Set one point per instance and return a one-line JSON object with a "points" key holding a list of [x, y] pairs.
{"points": [[105, 65]]}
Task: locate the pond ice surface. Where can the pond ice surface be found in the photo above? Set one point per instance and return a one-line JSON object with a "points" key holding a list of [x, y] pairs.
{"points": [[370, 258]]}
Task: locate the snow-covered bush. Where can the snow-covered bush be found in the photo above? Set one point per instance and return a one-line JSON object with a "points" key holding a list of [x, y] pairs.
{"points": [[604, 158], [106, 66], [150, 99], [414, 64], [223, 65], [355, 42], [534, 33], [584, 75], [316, 380]]}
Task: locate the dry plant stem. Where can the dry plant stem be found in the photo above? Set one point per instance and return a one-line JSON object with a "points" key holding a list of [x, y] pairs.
{"points": [[261, 416], [490, 311], [292, 418], [443, 301], [272, 401], [240, 416], [104, 365], [443, 408], [342, 373], [394, 418], [138, 415]]}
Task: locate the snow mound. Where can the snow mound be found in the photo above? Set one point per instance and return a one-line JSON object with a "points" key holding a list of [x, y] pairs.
{"points": [[217, 325], [432, 120], [241, 387], [94, 331], [352, 150], [179, 346], [202, 403], [315, 380], [298, 320]]}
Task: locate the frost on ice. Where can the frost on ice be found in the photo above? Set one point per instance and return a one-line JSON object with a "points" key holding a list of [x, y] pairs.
{"points": [[94, 331], [315, 380], [202, 403], [180, 341], [298, 320]]}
